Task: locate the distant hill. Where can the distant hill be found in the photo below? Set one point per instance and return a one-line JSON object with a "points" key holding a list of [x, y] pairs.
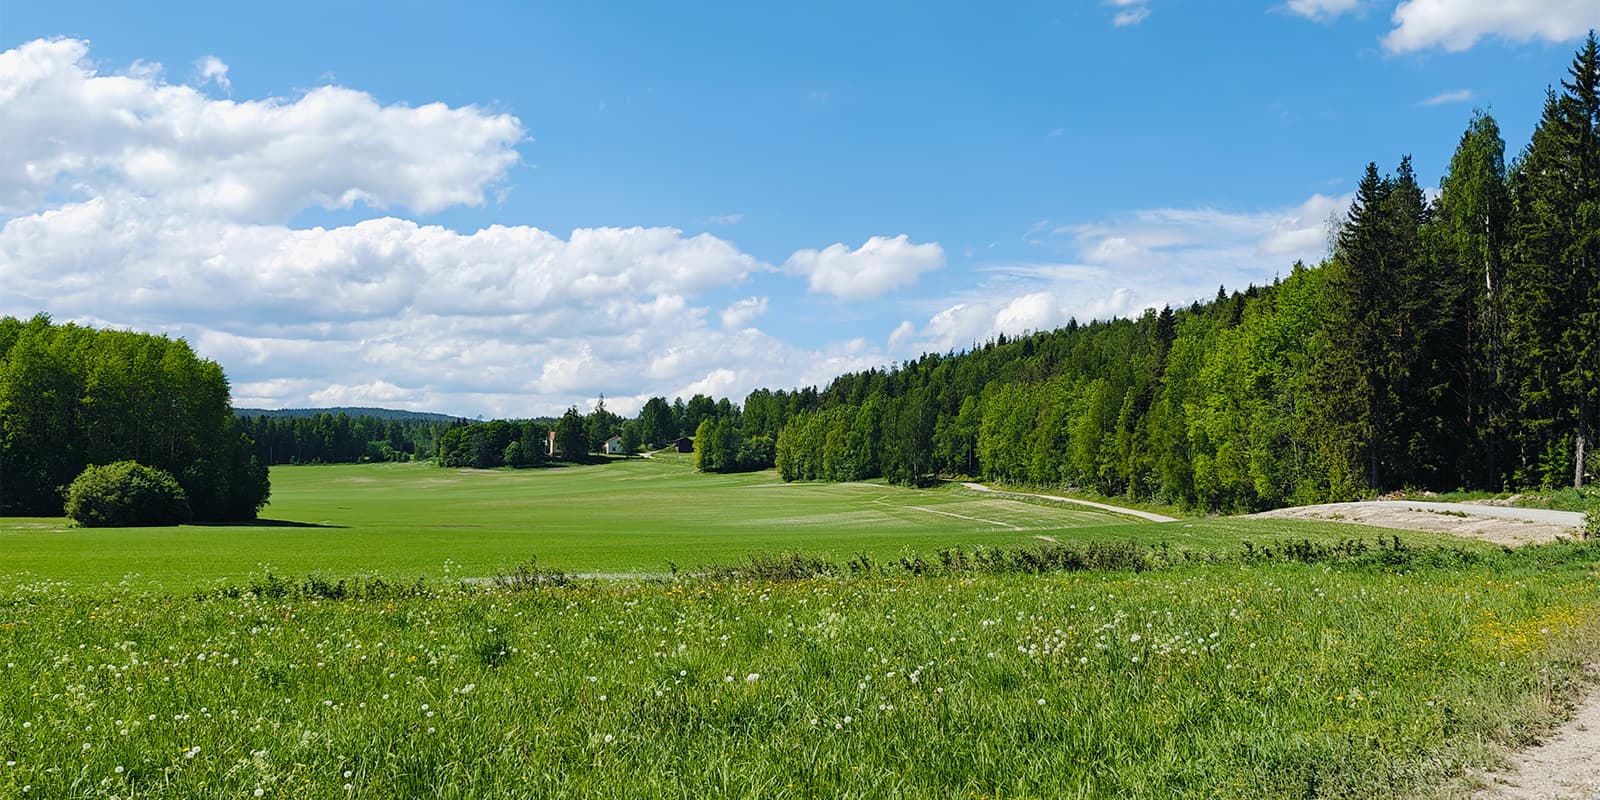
{"points": [[351, 411]]}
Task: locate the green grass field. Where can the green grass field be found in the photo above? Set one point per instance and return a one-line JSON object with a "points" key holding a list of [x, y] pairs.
{"points": [[1242, 681], [635, 516], [164, 662]]}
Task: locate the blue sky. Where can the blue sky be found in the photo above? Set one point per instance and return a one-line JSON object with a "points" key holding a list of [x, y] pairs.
{"points": [[699, 199]]}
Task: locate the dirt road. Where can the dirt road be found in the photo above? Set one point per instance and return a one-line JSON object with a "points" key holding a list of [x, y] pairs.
{"points": [[1566, 766], [1498, 524]]}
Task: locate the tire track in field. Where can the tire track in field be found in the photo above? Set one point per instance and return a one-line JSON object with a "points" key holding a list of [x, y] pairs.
{"points": [[1129, 512], [996, 523]]}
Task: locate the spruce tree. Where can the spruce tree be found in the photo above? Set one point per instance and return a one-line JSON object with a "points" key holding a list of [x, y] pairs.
{"points": [[1468, 238], [1553, 290]]}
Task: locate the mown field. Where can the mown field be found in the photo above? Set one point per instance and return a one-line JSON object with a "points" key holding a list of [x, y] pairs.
{"points": [[639, 516], [1131, 660]]}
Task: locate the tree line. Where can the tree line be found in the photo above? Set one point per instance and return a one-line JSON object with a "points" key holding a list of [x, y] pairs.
{"points": [[1443, 344], [74, 396], [328, 438]]}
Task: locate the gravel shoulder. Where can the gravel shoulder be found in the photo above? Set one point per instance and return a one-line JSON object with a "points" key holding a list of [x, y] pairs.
{"points": [[1565, 766], [1497, 524]]}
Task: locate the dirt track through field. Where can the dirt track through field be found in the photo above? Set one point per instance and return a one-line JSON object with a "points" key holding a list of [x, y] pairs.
{"points": [[1498, 524], [1006, 525], [1565, 766], [1130, 512]]}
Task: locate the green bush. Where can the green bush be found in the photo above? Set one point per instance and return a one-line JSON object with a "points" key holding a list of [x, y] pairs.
{"points": [[1591, 521], [126, 493]]}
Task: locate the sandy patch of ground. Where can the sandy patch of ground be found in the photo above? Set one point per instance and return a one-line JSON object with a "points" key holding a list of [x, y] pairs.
{"points": [[1565, 766], [1501, 525]]}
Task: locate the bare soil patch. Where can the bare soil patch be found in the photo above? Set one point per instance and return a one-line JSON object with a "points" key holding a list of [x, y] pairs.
{"points": [[1498, 524]]}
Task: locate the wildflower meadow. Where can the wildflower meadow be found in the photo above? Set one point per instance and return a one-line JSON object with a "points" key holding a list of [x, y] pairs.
{"points": [[1366, 674]]}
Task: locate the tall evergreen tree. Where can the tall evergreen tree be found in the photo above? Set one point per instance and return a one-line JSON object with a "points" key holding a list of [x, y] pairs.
{"points": [[572, 435], [1554, 316], [1469, 240]]}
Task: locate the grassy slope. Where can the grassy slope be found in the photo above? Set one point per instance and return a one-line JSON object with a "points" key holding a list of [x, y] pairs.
{"points": [[407, 520]]}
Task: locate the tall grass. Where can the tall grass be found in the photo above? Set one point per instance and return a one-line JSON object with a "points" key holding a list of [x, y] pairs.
{"points": [[1295, 674]]}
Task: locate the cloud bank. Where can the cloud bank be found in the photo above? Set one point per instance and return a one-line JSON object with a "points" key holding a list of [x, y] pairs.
{"points": [[130, 201]]}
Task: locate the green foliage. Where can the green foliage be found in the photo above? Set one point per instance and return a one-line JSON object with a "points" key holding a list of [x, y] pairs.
{"points": [[630, 437], [720, 446], [689, 415], [601, 424], [72, 396], [338, 438], [656, 424], [496, 443], [572, 436], [528, 575], [126, 494]]}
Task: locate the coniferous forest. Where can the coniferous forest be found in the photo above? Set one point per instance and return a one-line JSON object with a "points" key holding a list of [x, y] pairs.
{"points": [[1443, 344]]}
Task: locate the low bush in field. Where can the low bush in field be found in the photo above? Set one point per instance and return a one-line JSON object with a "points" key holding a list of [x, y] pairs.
{"points": [[1097, 556], [1300, 674], [529, 575], [124, 494]]}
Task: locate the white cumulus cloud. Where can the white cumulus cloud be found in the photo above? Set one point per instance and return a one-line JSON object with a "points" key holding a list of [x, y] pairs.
{"points": [[1444, 98], [1129, 12], [1457, 25], [67, 127], [1124, 264], [879, 266], [1322, 10], [213, 70], [743, 312]]}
